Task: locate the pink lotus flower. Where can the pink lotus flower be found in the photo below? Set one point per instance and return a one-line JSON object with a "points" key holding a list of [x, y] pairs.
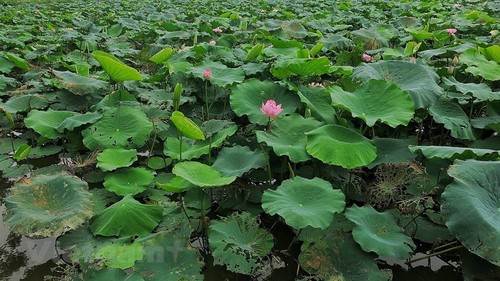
{"points": [[451, 31], [212, 42], [366, 57], [217, 30], [270, 109], [207, 74]]}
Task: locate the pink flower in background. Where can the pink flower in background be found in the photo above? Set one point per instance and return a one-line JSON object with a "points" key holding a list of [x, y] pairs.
{"points": [[366, 57], [212, 42], [270, 109], [451, 31], [207, 74], [413, 59], [217, 30]]}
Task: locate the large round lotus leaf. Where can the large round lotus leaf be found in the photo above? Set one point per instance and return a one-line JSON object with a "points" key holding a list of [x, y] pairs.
{"points": [[186, 126], [304, 202], [239, 243], [374, 101], [128, 181], [300, 67], [452, 153], [237, 160], [221, 74], [48, 205], [471, 205], [337, 145], [336, 256], [116, 157], [117, 70], [125, 218], [247, 98], [78, 120], [418, 80], [122, 126], [479, 65], [81, 85], [452, 116], [46, 122], [287, 136], [378, 232], [168, 257], [120, 255], [200, 174]]}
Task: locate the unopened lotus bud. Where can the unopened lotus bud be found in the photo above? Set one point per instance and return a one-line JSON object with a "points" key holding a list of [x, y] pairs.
{"points": [[177, 96], [451, 69], [455, 61]]}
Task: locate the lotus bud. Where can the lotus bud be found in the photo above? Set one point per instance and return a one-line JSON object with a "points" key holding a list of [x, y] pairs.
{"points": [[177, 96], [451, 69], [455, 60]]}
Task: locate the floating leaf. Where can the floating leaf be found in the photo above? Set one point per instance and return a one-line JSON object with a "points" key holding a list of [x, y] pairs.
{"points": [[304, 202], [48, 205], [337, 145], [46, 122], [237, 160], [418, 80], [200, 174], [287, 136], [120, 255], [247, 98], [117, 70], [472, 202], [451, 115], [239, 243], [376, 100], [168, 257], [125, 218], [221, 75], [128, 181], [186, 126], [122, 126], [81, 85], [116, 157], [448, 152], [378, 232]]}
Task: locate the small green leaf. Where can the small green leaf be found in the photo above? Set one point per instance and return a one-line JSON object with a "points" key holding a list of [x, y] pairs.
{"points": [[120, 255], [186, 126], [254, 52], [22, 152], [116, 157], [200, 174], [128, 181], [237, 160], [117, 70], [162, 56]]}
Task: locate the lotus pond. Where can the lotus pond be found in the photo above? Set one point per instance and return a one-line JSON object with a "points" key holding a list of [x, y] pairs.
{"points": [[249, 140]]}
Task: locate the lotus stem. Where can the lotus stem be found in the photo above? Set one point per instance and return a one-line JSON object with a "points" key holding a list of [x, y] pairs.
{"points": [[206, 99], [444, 245], [292, 173], [435, 254], [180, 147], [293, 240]]}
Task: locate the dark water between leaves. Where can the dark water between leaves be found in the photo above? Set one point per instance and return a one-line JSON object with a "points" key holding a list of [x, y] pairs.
{"points": [[22, 258]]}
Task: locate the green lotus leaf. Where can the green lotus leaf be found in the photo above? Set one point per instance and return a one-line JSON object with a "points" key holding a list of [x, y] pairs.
{"points": [[81, 85], [378, 232], [125, 218], [492, 53], [481, 92], [448, 152], [191, 149], [324, 260], [176, 185], [24, 103], [221, 75], [92, 272], [122, 126], [239, 243], [424, 229], [376, 100], [301, 67], [162, 56], [337, 145], [22, 152], [117, 70], [247, 99], [287, 136], [186, 126], [200, 174], [476, 268], [479, 65], [120, 255], [418, 80], [48, 205], [18, 61], [392, 151], [128, 181], [318, 100], [78, 120], [451, 115], [304, 202], [237, 160], [492, 123], [294, 29], [471, 205], [46, 122], [254, 52], [116, 157], [168, 257]]}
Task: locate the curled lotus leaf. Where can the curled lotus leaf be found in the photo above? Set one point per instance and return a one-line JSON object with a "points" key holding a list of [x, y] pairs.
{"points": [[48, 205]]}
